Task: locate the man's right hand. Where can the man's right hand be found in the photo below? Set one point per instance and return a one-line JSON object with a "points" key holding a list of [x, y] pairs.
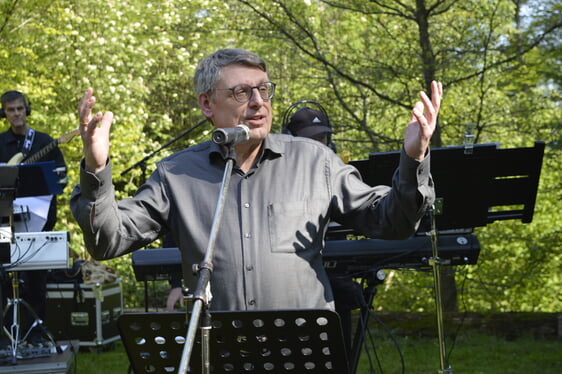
{"points": [[95, 139]]}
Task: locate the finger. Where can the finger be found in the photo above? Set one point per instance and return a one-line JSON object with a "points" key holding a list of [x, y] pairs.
{"points": [[427, 104], [417, 113], [92, 125], [85, 98], [85, 113], [85, 106], [87, 94], [426, 100], [106, 122], [431, 105], [436, 93]]}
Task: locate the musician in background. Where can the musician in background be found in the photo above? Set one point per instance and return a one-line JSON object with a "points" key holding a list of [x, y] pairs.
{"points": [[315, 124], [283, 193], [17, 143]]}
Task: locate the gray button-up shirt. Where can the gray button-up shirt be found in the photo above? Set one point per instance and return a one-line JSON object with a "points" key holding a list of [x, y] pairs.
{"points": [[268, 253]]}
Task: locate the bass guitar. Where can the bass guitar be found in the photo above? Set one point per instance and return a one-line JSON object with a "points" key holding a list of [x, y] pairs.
{"points": [[64, 138]]}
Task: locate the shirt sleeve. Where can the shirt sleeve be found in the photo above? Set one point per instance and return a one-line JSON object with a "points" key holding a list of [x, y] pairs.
{"points": [[112, 228]]}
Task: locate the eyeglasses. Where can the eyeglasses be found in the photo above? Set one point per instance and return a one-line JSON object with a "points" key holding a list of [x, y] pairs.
{"points": [[243, 92]]}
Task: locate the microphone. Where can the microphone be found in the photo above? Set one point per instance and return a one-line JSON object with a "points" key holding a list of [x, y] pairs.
{"points": [[231, 135]]}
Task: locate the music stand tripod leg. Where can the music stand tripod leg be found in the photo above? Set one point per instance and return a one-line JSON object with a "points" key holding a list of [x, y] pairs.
{"points": [[372, 280], [15, 332], [39, 323]]}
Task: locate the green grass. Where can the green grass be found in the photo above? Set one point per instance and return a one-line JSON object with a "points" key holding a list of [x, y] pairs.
{"points": [[473, 352]]}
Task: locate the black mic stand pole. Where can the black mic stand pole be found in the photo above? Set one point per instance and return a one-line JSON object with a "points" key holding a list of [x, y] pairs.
{"points": [[202, 295], [142, 163]]}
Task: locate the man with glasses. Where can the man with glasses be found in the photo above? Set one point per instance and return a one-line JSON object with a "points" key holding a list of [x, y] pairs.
{"points": [[283, 193]]}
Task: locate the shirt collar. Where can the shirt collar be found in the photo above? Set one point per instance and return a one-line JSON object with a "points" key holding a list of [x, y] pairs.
{"points": [[272, 149]]}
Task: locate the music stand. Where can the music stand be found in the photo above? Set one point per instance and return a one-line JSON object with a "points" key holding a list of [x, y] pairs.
{"points": [[275, 341], [8, 187], [38, 179], [472, 189]]}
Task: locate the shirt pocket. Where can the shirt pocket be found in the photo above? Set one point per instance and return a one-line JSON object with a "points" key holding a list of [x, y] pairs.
{"points": [[286, 221]]}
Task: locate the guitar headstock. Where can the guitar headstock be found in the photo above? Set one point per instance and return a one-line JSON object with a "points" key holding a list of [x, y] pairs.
{"points": [[67, 136]]}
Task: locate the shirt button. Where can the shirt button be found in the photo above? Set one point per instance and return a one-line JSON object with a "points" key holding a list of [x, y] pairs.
{"points": [[250, 267], [247, 235], [246, 205], [252, 302]]}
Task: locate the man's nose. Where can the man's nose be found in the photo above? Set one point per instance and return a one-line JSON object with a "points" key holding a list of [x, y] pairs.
{"points": [[256, 96]]}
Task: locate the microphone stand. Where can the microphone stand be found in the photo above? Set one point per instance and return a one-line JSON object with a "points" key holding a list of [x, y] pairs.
{"points": [[435, 263], [202, 295], [142, 163]]}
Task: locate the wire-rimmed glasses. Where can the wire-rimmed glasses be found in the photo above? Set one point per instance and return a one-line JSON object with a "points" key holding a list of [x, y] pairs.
{"points": [[243, 92]]}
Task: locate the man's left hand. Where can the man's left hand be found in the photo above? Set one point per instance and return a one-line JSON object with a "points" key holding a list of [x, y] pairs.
{"points": [[423, 122]]}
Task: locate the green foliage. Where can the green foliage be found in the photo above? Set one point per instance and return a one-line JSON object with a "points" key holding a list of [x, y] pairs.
{"points": [[364, 61]]}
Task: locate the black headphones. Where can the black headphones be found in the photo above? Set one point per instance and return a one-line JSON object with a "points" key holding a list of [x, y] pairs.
{"points": [[10, 96], [295, 107]]}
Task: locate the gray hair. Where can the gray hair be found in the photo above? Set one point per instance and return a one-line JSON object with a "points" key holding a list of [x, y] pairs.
{"points": [[208, 71]]}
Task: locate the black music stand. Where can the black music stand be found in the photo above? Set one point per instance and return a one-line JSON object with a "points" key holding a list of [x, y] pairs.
{"points": [[473, 188], [38, 179], [257, 342], [8, 187]]}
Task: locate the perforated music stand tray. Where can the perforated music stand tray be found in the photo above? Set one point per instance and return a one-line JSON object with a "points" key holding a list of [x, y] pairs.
{"points": [[257, 342], [472, 189]]}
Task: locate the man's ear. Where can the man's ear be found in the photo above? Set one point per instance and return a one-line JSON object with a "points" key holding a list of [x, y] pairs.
{"points": [[205, 104]]}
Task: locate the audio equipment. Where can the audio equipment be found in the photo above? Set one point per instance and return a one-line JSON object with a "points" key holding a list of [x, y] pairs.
{"points": [[39, 251]]}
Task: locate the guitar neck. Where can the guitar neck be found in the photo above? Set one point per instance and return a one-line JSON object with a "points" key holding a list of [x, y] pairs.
{"points": [[36, 156]]}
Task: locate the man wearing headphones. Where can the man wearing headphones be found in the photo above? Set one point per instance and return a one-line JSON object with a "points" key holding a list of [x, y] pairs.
{"points": [[23, 141], [311, 123]]}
